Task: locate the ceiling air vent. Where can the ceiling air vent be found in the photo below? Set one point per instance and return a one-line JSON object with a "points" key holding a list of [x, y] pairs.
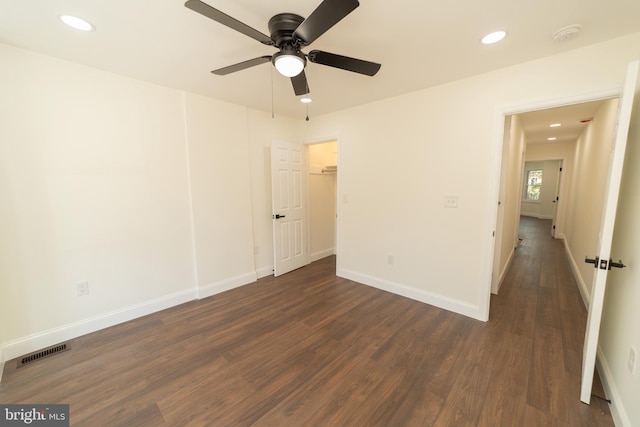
{"points": [[41, 354]]}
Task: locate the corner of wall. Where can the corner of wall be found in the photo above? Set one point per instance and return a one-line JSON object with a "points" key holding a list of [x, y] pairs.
{"points": [[226, 285], [426, 297]]}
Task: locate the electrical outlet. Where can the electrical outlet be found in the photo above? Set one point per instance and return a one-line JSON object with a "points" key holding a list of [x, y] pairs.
{"points": [[82, 288], [631, 363], [390, 259], [450, 201]]}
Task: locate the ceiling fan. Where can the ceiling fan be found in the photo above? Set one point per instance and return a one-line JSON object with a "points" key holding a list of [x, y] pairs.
{"points": [[290, 33]]}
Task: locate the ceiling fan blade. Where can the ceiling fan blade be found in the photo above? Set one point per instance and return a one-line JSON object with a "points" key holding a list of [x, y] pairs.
{"points": [[300, 85], [344, 62], [224, 19], [326, 15], [241, 65]]}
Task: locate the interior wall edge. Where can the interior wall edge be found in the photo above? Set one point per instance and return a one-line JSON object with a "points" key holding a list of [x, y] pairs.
{"points": [[316, 256], [445, 303], [30, 343]]}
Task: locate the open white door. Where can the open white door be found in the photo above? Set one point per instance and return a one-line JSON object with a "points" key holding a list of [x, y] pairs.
{"points": [[289, 205], [602, 262], [556, 199]]}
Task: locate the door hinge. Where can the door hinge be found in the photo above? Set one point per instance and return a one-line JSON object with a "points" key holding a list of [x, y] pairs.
{"points": [[554, 227], [560, 169]]}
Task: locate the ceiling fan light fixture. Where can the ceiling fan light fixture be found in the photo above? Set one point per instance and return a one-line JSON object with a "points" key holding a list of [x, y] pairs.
{"points": [[289, 63]]}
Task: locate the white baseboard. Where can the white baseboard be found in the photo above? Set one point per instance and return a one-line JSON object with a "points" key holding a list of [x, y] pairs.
{"points": [[226, 285], [426, 297], [264, 272], [1, 362], [28, 344], [503, 273], [584, 292], [322, 254], [536, 215], [618, 412]]}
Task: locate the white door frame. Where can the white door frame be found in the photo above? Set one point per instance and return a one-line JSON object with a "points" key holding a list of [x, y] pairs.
{"points": [[500, 115]]}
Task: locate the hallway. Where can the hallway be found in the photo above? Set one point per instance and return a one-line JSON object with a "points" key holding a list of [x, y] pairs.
{"points": [[540, 307]]}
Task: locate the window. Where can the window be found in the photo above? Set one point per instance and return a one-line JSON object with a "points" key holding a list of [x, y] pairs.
{"points": [[533, 185]]}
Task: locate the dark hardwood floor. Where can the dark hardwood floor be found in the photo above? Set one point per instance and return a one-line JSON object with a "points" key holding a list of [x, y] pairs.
{"points": [[312, 349]]}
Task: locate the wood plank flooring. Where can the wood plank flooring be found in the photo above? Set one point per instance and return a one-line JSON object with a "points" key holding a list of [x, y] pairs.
{"points": [[312, 349]]}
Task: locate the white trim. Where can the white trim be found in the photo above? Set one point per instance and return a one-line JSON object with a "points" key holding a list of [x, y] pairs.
{"points": [[24, 345], [584, 292], [322, 254], [598, 95], [503, 273], [1, 362], [618, 413], [264, 272], [426, 297], [536, 215], [501, 112], [226, 285]]}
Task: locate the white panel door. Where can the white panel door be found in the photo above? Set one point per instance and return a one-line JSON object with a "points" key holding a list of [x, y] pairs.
{"points": [[602, 262], [289, 204]]}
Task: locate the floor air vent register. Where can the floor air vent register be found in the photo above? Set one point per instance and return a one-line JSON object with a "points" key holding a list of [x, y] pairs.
{"points": [[41, 354]]}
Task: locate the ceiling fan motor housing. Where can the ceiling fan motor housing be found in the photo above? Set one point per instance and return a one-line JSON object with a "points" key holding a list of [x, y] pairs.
{"points": [[281, 28]]}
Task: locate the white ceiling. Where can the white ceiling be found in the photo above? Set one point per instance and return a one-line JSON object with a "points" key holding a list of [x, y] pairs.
{"points": [[536, 124], [418, 43]]}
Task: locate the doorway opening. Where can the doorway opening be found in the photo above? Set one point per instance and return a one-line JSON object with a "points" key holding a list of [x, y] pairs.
{"points": [[322, 184], [532, 137]]}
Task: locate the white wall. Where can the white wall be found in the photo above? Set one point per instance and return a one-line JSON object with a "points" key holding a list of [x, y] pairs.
{"points": [[507, 222], [93, 178], [427, 154], [586, 197], [146, 192], [620, 328], [218, 147], [322, 199]]}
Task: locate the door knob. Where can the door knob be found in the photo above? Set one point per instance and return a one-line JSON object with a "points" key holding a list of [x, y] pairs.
{"points": [[278, 216]]}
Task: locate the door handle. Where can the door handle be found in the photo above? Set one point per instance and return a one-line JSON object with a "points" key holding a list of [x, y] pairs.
{"points": [[618, 264], [592, 261], [278, 216]]}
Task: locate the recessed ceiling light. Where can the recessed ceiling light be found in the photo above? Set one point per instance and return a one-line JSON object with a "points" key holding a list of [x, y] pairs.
{"points": [[555, 125], [494, 37], [553, 138], [306, 100], [77, 23]]}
